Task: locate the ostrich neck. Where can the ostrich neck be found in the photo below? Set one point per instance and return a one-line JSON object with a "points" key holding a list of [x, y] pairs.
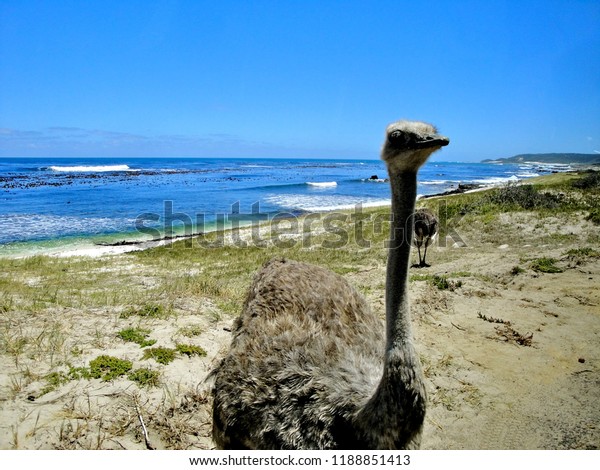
{"points": [[404, 193], [393, 415]]}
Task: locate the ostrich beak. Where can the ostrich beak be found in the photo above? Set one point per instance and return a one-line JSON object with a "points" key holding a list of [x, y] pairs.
{"points": [[435, 140]]}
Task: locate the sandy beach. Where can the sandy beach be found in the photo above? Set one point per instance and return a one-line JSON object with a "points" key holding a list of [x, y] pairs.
{"points": [[510, 349]]}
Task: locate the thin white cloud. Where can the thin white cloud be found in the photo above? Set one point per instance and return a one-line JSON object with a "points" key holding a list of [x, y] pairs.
{"points": [[75, 141]]}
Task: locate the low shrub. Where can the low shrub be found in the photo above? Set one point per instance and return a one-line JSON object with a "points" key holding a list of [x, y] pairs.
{"points": [[190, 350], [144, 377], [136, 335], [545, 265], [108, 368], [589, 181], [160, 355]]}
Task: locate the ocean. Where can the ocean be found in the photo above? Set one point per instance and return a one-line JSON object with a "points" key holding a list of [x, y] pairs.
{"points": [[47, 203]]}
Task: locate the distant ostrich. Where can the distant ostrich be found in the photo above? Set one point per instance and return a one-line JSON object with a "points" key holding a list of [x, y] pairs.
{"points": [[309, 366], [426, 228]]}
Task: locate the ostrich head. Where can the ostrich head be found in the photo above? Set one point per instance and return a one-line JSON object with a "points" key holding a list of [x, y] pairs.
{"points": [[412, 140]]}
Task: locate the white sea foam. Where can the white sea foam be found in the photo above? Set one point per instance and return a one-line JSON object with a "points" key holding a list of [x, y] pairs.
{"points": [[557, 165], [313, 203], [436, 182], [326, 184], [31, 226], [91, 168], [375, 180], [497, 180]]}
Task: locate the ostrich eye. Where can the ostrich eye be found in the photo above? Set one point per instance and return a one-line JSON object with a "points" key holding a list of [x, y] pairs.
{"points": [[398, 138]]}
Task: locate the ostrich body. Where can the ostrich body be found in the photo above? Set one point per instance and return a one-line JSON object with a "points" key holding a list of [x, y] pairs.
{"points": [[426, 228], [310, 365]]}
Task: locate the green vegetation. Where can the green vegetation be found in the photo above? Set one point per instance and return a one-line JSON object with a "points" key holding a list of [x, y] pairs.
{"points": [[5, 306], [526, 196], [137, 335], [420, 277], [557, 193], [150, 310], [190, 331], [508, 198], [108, 368], [441, 282], [545, 265], [57, 378], [578, 256], [105, 368], [34, 284], [461, 274], [190, 350], [516, 270], [160, 354], [53, 381], [587, 252], [594, 216], [591, 180], [77, 373], [144, 377], [166, 355]]}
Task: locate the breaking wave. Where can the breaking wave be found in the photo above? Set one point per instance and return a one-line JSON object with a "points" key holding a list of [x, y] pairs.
{"points": [[91, 168]]}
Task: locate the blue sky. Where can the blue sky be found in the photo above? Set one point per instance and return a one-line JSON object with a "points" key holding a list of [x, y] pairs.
{"points": [[301, 79]]}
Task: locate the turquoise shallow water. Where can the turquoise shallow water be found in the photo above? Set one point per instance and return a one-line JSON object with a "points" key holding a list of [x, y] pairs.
{"points": [[49, 202]]}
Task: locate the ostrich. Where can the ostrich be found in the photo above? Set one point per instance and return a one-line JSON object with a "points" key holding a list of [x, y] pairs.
{"points": [[425, 232], [310, 366]]}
